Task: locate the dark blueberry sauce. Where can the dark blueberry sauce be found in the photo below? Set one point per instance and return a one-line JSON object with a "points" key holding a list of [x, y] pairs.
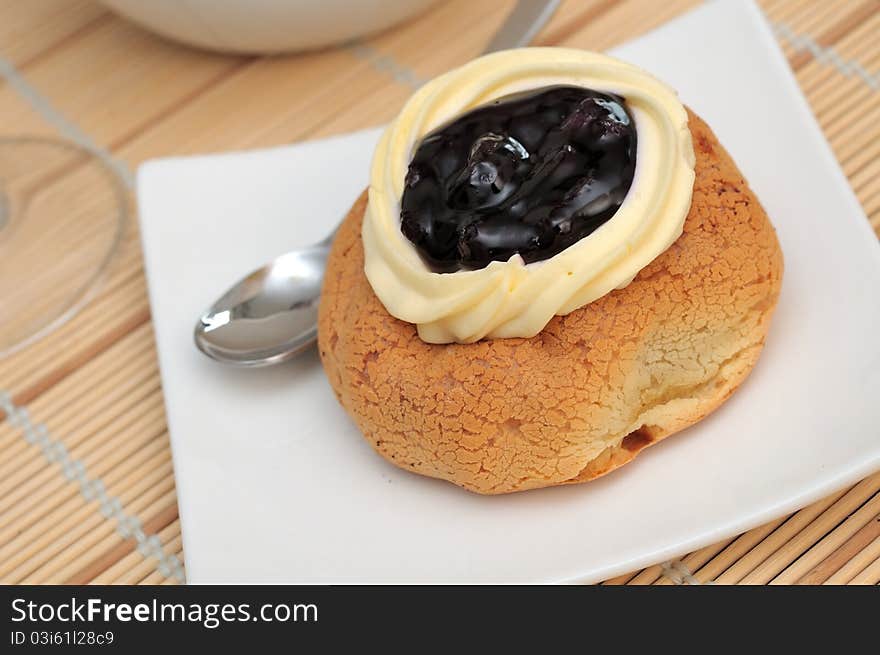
{"points": [[530, 173]]}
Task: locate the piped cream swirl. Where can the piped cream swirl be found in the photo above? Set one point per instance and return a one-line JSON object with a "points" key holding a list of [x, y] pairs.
{"points": [[511, 298]]}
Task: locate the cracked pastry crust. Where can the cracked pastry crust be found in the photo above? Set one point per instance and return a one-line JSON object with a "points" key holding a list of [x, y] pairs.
{"points": [[592, 389]]}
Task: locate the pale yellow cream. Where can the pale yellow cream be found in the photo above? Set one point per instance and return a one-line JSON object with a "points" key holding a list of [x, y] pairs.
{"points": [[511, 298]]}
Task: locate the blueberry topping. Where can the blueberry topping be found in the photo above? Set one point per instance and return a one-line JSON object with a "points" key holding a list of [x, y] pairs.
{"points": [[530, 173]]}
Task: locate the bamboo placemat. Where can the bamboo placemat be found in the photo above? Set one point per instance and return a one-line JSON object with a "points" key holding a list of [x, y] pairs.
{"points": [[86, 485]]}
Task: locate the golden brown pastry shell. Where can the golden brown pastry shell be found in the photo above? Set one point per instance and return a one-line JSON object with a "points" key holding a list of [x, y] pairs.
{"points": [[590, 391]]}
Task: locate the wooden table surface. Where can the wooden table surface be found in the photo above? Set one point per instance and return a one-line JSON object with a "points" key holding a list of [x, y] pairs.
{"points": [[92, 498]]}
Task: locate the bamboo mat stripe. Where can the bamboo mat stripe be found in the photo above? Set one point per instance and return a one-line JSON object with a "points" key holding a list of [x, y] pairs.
{"points": [[59, 122], [825, 54], [86, 484], [91, 488], [386, 64]]}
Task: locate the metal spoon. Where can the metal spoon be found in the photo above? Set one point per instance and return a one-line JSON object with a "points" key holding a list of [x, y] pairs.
{"points": [[271, 315]]}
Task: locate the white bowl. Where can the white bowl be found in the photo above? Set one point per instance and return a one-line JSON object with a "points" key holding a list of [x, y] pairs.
{"points": [[265, 26]]}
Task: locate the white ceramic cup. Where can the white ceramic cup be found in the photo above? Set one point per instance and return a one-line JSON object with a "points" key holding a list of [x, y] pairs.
{"points": [[266, 26]]}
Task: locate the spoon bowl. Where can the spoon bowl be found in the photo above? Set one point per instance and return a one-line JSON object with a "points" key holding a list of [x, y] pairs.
{"points": [[269, 316]]}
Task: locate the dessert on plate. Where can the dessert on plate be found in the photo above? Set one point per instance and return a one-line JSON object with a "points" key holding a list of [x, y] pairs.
{"points": [[556, 265]]}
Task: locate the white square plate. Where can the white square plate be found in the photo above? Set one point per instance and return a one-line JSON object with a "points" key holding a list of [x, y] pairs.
{"points": [[276, 485]]}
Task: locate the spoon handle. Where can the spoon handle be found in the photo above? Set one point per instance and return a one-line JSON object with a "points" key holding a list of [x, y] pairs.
{"points": [[524, 22]]}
